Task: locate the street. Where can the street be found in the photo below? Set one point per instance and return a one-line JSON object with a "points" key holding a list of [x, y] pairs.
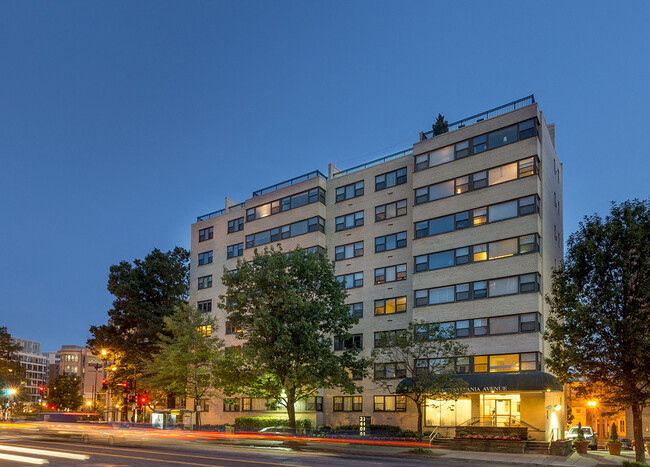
{"points": [[29, 449]]}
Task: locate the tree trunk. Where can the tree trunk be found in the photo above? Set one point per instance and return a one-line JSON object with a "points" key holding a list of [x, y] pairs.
{"points": [[637, 412], [419, 406], [291, 409]]}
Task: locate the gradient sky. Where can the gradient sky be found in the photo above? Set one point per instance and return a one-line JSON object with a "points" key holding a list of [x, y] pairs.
{"points": [[120, 122]]}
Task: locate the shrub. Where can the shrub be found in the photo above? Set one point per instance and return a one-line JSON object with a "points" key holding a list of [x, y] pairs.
{"points": [[347, 428], [392, 428], [613, 434], [410, 434], [634, 464], [420, 451], [581, 435], [263, 422]]}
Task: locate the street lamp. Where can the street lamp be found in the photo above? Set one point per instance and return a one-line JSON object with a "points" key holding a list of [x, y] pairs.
{"points": [[592, 404]]}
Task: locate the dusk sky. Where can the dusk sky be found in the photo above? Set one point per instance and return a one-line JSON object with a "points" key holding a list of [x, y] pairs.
{"points": [[120, 122]]}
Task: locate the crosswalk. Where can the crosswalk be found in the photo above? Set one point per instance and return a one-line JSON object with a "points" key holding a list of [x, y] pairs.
{"points": [[32, 456]]}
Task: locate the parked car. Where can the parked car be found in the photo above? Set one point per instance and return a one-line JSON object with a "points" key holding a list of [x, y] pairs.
{"points": [[626, 443], [590, 436]]}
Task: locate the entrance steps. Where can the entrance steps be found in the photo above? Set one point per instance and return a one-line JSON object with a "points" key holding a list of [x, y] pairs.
{"points": [[537, 447]]}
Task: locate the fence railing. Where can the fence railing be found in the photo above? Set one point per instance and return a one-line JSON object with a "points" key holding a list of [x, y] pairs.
{"points": [[234, 207], [301, 178], [502, 109], [389, 157]]}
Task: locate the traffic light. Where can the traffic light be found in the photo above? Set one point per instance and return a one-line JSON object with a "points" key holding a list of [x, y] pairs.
{"points": [[129, 384], [41, 390], [104, 384], [125, 386], [143, 399]]}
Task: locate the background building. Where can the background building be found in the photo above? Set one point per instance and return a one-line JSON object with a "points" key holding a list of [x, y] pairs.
{"points": [[463, 229], [35, 365], [79, 361]]}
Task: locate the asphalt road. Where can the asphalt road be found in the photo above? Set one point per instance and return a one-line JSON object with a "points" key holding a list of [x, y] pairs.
{"points": [[62, 452]]}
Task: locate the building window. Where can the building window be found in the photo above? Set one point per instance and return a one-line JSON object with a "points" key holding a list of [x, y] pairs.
{"points": [[235, 250], [478, 327], [390, 403], [356, 310], [286, 231], [285, 204], [525, 283], [477, 145], [231, 328], [206, 330], [70, 370], [231, 405], [246, 404], [476, 181], [390, 370], [349, 191], [351, 250], [390, 210], [390, 306], [70, 358], [314, 404], [351, 281], [204, 306], [389, 179], [349, 221], [205, 282], [236, 225], [390, 242], [477, 253], [352, 342], [348, 403], [390, 274], [205, 258], [206, 234]]}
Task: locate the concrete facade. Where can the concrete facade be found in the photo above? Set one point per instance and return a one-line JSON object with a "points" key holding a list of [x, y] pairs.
{"points": [[35, 364], [79, 361], [499, 268]]}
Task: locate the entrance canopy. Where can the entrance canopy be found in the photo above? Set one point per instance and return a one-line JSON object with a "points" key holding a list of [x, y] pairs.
{"points": [[499, 382]]}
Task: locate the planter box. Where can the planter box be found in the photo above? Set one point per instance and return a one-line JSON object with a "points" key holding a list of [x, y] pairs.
{"points": [[561, 448], [614, 448], [581, 446], [488, 445]]}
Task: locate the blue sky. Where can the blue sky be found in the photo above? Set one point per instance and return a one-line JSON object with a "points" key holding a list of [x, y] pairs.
{"points": [[120, 122]]}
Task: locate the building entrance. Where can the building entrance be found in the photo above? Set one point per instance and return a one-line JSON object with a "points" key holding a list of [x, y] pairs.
{"points": [[500, 410]]}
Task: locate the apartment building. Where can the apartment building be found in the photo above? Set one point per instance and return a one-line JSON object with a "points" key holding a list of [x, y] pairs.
{"points": [[35, 365], [79, 361], [463, 228]]}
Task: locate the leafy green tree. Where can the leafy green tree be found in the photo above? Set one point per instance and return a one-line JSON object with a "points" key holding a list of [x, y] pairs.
{"points": [[64, 392], [12, 373], [441, 126], [146, 291], [599, 325], [397, 356], [289, 306], [188, 356]]}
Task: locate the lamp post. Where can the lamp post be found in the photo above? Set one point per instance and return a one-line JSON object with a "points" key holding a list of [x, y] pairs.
{"points": [[592, 405]]}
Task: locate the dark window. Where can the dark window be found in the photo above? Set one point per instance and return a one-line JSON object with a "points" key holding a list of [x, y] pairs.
{"points": [[231, 405], [390, 370], [349, 191], [354, 341], [204, 306], [205, 282], [286, 231], [349, 221], [231, 328], [205, 258], [236, 225], [527, 129], [351, 281], [390, 274], [356, 309], [206, 234], [351, 250], [387, 180], [390, 210], [390, 242], [348, 403], [235, 250]]}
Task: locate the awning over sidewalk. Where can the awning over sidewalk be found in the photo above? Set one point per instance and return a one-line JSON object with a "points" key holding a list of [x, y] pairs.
{"points": [[499, 382]]}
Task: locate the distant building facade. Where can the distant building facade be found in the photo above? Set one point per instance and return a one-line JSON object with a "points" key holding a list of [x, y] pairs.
{"points": [[79, 361], [36, 367]]}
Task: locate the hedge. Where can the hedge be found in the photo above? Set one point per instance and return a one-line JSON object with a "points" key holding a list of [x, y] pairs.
{"points": [[263, 422]]}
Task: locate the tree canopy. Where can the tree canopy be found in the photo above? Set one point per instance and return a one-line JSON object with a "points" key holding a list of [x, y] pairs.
{"points": [[289, 307], [421, 357], [12, 373], [64, 392], [441, 126], [146, 291], [599, 324], [188, 356]]}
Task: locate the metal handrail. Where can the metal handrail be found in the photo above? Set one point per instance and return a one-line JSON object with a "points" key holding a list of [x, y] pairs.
{"points": [[395, 155], [301, 178], [210, 215], [434, 434], [495, 112]]}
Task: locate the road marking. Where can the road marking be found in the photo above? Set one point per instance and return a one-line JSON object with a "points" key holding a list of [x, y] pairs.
{"points": [[43, 452], [23, 459], [257, 462]]}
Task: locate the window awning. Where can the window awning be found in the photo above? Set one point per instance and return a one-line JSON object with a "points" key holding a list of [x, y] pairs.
{"points": [[499, 382]]}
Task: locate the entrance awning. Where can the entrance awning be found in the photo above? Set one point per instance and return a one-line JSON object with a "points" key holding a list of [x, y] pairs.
{"points": [[499, 382]]}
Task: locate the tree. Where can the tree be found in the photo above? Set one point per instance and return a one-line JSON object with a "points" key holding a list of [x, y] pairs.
{"points": [[599, 324], [441, 126], [65, 392], [12, 374], [187, 356], [145, 292], [422, 357], [288, 306]]}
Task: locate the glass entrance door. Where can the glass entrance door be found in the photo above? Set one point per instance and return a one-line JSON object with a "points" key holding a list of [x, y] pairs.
{"points": [[500, 410]]}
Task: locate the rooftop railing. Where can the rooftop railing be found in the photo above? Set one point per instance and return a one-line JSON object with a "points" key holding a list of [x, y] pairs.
{"points": [[502, 109], [390, 157], [235, 207], [301, 178]]}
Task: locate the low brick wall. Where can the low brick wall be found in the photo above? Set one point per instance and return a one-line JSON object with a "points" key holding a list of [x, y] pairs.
{"points": [[561, 448], [488, 445]]}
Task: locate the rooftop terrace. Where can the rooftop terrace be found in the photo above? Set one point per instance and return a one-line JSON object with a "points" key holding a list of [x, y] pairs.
{"points": [[495, 112]]}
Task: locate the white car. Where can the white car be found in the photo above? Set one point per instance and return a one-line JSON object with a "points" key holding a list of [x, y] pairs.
{"points": [[590, 436]]}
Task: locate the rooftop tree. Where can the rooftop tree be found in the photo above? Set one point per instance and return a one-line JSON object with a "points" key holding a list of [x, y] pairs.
{"points": [[599, 325], [289, 307]]}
